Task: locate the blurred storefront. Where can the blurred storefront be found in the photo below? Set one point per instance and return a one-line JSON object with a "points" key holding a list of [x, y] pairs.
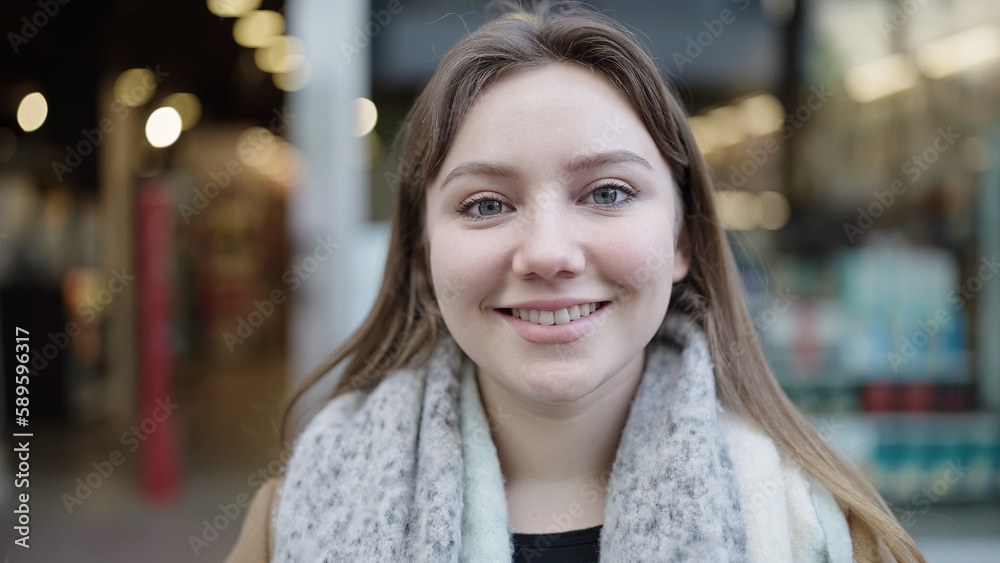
{"points": [[145, 177], [145, 171]]}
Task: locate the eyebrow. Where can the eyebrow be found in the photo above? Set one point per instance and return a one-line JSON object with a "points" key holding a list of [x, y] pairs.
{"points": [[576, 164], [596, 160]]}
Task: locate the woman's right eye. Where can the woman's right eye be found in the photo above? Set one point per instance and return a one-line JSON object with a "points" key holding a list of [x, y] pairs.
{"points": [[482, 207], [490, 207]]}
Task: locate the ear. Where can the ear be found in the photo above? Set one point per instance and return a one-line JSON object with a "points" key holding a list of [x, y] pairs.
{"points": [[682, 254]]}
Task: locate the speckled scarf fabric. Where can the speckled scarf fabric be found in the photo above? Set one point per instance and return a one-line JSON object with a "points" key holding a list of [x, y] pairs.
{"points": [[408, 472]]}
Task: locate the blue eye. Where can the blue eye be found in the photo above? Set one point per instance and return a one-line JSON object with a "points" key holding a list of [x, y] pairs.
{"points": [[613, 196], [482, 206], [605, 195], [489, 207]]}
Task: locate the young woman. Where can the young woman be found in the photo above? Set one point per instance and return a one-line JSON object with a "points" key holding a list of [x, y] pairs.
{"points": [[559, 365]]}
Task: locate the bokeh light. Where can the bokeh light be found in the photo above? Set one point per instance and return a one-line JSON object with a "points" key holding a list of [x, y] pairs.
{"points": [[163, 127], [134, 87], [188, 107], [282, 54], [366, 116], [232, 8], [258, 28], [32, 111]]}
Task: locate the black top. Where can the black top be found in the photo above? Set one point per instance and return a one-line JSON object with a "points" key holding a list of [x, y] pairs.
{"points": [[575, 546]]}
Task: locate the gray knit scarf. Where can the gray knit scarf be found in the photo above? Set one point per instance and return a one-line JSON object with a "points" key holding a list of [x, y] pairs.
{"points": [[407, 472]]}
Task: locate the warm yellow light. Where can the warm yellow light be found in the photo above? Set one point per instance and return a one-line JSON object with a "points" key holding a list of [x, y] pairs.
{"points": [[232, 8], [880, 78], [761, 114], [79, 286], [163, 127], [283, 54], [365, 116], [717, 129], [293, 81], [959, 52], [282, 162], [725, 126], [739, 210], [776, 210], [187, 105], [270, 155], [258, 28], [252, 145], [134, 87], [32, 111], [700, 126]]}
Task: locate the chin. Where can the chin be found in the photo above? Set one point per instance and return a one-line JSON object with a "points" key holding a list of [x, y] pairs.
{"points": [[564, 386]]}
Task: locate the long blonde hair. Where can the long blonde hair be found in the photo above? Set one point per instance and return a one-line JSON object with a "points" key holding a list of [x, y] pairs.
{"points": [[403, 326]]}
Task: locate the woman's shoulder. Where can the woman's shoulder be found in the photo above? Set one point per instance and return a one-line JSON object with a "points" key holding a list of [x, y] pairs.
{"points": [[256, 543], [340, 417]]}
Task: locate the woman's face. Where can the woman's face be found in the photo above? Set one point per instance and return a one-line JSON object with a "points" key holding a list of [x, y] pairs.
{"points": [[553, 198]]}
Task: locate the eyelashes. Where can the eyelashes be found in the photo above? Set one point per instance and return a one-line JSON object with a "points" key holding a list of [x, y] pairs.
{"points": [[486, 206], [616, 203], [477, 201]]}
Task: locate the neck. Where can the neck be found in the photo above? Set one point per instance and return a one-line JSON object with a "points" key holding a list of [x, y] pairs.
{"points": [[559, 446]]}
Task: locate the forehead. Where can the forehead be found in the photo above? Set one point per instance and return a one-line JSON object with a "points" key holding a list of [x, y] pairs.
{"points": [[558, 111]]}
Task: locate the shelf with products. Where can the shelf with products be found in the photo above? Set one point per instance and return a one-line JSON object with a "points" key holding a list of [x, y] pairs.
{"points": [[884, 313], [916, 458], [878, 344], [829, 394]]}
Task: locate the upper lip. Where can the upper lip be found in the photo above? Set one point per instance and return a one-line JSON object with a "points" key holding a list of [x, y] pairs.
{"points": [[551, 304]]}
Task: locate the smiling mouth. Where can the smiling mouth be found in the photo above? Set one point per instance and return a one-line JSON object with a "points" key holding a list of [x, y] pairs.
{"points": [[557, 317]]}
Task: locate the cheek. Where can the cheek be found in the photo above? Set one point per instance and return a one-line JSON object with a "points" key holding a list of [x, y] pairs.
{"points": [[639, 258], [462, 269]]}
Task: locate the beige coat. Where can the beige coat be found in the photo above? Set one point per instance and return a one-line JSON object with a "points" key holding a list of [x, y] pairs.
{"points": [[256, 541]]}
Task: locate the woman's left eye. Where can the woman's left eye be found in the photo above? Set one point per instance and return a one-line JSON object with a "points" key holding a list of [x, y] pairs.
{"points": [[489, 207], [613, 195]]}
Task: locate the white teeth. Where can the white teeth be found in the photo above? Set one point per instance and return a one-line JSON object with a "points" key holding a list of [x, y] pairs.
{"points": [[562, 316], [559, 317]]}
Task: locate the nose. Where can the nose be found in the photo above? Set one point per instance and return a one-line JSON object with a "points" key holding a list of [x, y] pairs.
{"points": [[549, 245]]}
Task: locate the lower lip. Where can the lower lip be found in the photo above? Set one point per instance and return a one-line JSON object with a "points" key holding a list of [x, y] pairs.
{"points": [[554, 334]]}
